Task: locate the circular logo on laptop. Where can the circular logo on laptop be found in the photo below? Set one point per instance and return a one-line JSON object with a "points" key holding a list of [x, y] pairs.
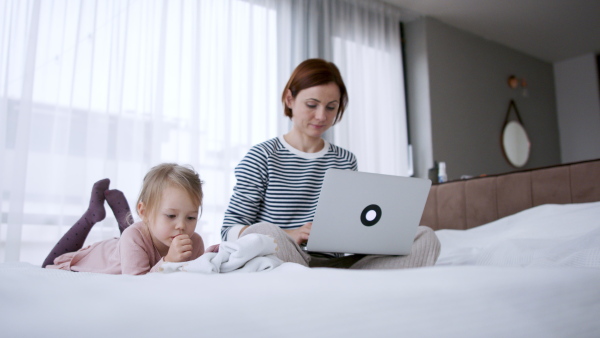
{"points": [[370, 215]]}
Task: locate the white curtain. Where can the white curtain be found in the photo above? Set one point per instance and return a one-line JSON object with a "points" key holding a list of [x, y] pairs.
{"points": [[108, 88], [363, 39]]}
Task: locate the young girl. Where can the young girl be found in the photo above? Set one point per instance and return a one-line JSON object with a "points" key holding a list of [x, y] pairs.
{"points": [[168, 205]]}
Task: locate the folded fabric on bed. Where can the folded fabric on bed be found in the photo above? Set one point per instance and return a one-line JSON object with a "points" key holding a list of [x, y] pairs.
{"points": [[547, 235], [250, 253]]}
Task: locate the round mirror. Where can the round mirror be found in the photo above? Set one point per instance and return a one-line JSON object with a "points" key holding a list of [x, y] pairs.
{"points": [[515, 143]]}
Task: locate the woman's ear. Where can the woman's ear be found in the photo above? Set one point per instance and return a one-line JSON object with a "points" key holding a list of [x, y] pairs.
{"points": [[289, 99]]}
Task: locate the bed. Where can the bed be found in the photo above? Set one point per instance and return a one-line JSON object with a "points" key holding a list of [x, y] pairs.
{"points": [[529, 271]]}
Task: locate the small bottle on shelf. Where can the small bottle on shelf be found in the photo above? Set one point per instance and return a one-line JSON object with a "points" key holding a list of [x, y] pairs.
{"points": [[442, 177]]}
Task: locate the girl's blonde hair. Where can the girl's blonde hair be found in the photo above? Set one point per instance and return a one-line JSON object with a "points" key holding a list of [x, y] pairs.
{"points": [[169, 174]]}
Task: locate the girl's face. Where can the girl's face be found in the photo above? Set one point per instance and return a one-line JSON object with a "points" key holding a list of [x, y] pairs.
{"points": [[176, 214], [314, 109]]}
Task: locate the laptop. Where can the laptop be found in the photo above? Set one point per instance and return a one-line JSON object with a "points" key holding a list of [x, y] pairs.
{"points": [[366, 213]]}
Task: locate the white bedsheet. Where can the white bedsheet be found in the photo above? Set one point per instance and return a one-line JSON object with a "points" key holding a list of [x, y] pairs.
{"points": [[292, 301], [553, 300]]}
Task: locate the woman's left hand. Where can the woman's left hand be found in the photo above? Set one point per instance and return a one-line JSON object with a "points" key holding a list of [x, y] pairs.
{"points": [[301, 234]]}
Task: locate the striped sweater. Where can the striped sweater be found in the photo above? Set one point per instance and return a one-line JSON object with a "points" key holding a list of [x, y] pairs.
{"points": [[279, 184]]}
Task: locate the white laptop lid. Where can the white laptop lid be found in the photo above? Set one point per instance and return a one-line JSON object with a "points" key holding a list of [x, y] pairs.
{"points": [[367, 213]]}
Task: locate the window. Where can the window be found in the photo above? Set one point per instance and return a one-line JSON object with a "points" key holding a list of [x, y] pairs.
{"points": [[94, 89]]}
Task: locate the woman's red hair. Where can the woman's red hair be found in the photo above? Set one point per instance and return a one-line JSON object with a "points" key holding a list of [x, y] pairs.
{"points": [[315, 72]]}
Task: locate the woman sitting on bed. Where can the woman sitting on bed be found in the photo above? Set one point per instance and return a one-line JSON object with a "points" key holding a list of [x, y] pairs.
{"points": [[279, 181], [168, 204]]}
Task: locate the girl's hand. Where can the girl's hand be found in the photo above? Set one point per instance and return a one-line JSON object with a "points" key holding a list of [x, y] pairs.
{"points": [[213, 248], [300, 235], [180, 249]]}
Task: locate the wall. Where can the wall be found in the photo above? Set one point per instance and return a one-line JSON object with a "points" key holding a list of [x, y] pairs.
{"points": [[468, 97], [417, 75], [578, 106]]}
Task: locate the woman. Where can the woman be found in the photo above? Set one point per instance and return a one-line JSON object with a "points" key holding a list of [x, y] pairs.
{"points": [[279, 181]]}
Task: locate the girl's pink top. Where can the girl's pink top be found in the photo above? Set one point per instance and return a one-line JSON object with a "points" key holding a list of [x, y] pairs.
{"points": [[132, 254]]}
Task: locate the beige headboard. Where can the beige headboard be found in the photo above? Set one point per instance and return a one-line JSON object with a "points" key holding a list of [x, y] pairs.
{"points": [[469, 203]]}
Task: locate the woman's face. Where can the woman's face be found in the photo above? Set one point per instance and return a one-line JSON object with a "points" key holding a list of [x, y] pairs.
{"points": [[314, 109]]}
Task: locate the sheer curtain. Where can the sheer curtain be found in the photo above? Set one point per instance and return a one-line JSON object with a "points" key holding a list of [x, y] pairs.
{"points": [[363, 39], [108, 88]]}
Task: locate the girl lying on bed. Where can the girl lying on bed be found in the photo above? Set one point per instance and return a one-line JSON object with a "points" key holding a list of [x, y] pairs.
{"points": [[168, 205]]}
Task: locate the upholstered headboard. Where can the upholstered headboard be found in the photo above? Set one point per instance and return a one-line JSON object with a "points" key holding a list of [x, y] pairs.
{"points": [[469, 203]]}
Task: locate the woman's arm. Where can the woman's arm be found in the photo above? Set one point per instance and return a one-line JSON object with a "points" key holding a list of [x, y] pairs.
{"points": [[248, 193]]}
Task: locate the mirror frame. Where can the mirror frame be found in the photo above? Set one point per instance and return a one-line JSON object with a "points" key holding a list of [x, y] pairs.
{"points": [[516, 129]]}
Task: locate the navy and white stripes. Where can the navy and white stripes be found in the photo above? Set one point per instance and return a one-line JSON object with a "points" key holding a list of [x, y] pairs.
{"points": [[279, 184]]}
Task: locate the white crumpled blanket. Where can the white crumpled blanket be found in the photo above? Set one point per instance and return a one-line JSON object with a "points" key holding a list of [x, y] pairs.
{"points": [[250, 253]]}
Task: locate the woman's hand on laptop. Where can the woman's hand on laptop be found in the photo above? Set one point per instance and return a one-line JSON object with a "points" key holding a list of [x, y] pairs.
{"points": [[300, 235]]}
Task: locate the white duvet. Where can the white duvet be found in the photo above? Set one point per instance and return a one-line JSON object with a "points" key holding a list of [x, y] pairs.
{"points": [[548, 235], [482, 288]]}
